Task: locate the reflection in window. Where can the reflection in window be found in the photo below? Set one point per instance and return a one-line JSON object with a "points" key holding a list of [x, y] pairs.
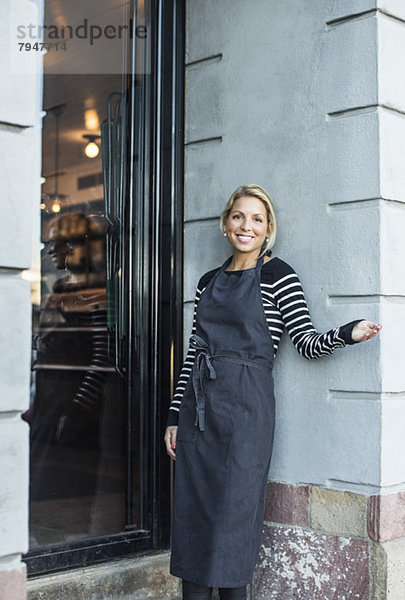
{"points": [[77, 412]]}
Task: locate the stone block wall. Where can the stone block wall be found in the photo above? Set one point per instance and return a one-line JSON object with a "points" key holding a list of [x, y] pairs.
{"points": [[19, 212], [286, 95], [308, 100], [328, 544]]}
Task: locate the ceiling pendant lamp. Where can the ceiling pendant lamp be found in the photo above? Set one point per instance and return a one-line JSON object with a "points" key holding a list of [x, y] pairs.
{"points": [[91, 149]]}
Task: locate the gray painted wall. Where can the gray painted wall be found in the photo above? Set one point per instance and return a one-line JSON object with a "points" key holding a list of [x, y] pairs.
{"points": [[307, 99]]}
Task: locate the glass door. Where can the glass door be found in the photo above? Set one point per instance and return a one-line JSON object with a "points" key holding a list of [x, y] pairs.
{"points": [[97, 407]]}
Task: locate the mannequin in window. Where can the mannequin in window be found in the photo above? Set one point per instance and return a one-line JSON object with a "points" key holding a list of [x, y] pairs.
{"points": [[72, 333]]}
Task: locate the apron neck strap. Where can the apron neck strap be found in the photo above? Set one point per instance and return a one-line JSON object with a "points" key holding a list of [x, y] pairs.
{"points": [[258, 266]]}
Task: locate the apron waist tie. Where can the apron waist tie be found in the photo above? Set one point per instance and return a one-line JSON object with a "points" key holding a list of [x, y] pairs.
{"points": [[203, 357]]}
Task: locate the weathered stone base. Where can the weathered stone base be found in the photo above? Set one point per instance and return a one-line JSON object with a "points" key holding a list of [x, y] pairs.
{"points": [[297, 563], [137, 578], [12, 584], [388, 568], [325, 544]]}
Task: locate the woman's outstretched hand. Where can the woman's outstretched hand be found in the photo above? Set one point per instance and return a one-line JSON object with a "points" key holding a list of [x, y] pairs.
{"points": [[170, 441], [365, 330]]}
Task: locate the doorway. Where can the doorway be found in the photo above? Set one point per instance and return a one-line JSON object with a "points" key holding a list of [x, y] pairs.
{"points": [[106, 285]]}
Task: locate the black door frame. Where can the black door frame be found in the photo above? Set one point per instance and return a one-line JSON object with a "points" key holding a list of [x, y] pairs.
{"points": [[161, 197], [167, 177]]}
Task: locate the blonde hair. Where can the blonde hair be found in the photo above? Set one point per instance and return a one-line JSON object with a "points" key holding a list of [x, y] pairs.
{"points": [[255, 191]]}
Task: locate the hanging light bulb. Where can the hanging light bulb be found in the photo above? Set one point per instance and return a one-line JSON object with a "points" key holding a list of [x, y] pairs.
{"points": [[91, 149], [54, 202], [55, 206]]}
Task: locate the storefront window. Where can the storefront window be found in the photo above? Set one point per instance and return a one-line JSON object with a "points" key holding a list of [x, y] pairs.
{"points": [[77, 484], [88, 476], [106, 280]]}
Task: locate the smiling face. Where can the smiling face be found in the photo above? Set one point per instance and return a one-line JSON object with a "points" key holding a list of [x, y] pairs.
{"points": [[247, 225]]}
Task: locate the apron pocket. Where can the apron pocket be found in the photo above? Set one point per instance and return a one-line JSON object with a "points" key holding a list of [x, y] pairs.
{"points": [[187, 436]]}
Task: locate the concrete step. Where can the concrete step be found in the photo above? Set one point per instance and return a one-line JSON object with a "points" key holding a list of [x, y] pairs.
{"points": [[138, 578]]}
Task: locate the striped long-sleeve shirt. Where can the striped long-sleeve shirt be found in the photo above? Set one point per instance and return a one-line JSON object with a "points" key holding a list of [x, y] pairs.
{"points": [[285, 307]]}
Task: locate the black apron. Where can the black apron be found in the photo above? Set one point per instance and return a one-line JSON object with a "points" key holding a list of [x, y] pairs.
{"points": [[225, 435]]}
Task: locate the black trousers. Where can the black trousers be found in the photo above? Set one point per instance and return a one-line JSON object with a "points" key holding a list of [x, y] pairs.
{"points": [[193, 591]]}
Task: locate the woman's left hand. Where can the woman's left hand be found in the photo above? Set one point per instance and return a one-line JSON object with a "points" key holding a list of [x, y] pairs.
{"points": [[365, 330]]}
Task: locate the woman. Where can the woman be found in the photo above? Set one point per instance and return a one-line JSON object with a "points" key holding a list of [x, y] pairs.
{"points": [[221, 420]]}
